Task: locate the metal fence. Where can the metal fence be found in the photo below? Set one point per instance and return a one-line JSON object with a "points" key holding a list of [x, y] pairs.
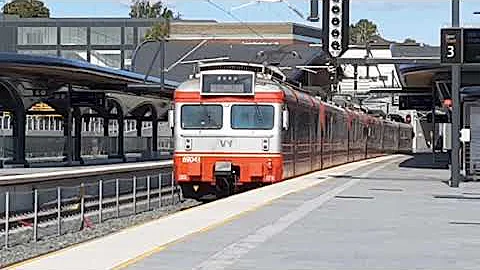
{"points": [[49, 146], [70, 209]]}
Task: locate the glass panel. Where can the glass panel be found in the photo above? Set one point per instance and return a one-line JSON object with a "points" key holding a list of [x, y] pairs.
{"points": [[39, 52], [75, 55], [202, 116], [129, 35], [37, 35], [141, 33], [128, 59], [252, 117], [106, 58], [74, 36], [106, 35]]}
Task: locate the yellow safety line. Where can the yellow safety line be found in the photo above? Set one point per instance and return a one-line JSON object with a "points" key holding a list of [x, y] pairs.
{"points": [[223, 222], [163, 247]]}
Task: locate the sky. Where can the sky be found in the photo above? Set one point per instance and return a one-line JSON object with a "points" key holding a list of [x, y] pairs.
{"points": [[396, 19]]}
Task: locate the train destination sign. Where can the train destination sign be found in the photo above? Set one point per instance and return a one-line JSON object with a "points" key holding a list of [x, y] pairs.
{"points": [[229, 84], [471, 45], [420, 102], [460, 46]]}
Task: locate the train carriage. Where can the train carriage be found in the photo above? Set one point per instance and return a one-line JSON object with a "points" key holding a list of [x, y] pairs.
{"points": [[240, 125]]}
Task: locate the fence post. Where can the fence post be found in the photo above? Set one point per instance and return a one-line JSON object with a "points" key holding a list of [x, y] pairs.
{"points": [[100, 200], [134, 195], [173, 189], [148, 193], [160, 190], [82, 203], [35, 215], [59, 210], [117, 195], [7, 210]]}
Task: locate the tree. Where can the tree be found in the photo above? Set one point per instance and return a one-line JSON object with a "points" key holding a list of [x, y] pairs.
{"points": [[362, 31], [143, 9], [410, 41], [27, 9]]}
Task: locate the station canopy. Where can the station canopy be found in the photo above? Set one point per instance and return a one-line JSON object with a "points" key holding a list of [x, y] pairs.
{"points": [[56, 70]]}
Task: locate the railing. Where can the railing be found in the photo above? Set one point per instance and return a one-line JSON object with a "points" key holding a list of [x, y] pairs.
{"points": [[61, 210], [51, 146]]}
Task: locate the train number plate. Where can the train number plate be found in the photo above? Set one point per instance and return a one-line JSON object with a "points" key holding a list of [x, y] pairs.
{"points": [[190, 159]]}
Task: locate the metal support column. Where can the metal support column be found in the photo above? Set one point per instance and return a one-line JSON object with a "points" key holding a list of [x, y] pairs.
{"points": [[106, 128], [78, 135], [434, 137], [19, 136], [121, 136], [67, 129], [456, 84], [355, 80], [155, 136], [162, 63], [139, 128]]}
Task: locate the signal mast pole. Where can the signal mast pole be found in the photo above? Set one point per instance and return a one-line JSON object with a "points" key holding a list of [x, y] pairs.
{"points": [[456, 84]]}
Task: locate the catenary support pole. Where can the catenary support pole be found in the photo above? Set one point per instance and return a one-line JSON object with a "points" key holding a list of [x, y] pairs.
{"points": [[456, 84]]}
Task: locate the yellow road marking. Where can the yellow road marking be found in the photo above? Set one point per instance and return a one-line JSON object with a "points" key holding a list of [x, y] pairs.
{"points": [[208, 228]]}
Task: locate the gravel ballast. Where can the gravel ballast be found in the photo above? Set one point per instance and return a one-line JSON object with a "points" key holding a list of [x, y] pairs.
{"points": [[72, 235]]}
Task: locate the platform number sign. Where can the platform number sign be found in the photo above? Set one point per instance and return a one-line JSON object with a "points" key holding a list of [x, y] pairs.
{"points": [[451, 46]]}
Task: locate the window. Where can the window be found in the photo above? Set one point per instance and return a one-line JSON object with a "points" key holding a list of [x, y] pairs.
{"points": [[128, 59], [106, 58], [129, 38], [75, 55], [73, 36], [105, 35], [39, 52], [37, 36], [202, 116], [252, 117], [142, 31]]}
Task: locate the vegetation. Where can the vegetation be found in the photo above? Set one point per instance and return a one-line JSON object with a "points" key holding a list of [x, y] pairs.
{"points": [[143, 9], [27, 9], [410, 41], [363, 31]]}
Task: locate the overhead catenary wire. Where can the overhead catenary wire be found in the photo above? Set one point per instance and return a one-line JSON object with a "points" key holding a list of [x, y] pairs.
{"points": [[219, 7]]}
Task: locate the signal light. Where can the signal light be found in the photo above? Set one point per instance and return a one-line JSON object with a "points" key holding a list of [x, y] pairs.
{"points": [[408, 119], [336, 20], [447, 103], [335, 33]]}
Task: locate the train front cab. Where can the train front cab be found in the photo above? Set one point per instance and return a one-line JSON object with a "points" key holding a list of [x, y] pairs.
{"points": [[235, 153]]}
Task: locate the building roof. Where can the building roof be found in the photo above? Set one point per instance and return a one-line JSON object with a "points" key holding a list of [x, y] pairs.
{"points": [[79, 73], [182, 51]]}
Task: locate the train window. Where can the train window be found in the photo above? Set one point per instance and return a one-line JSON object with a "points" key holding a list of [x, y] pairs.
{"points": [[252, 116], [202, 116]]}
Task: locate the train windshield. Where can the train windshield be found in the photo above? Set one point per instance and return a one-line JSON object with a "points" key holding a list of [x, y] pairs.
{"points": [[252, 116], [202, 116]]}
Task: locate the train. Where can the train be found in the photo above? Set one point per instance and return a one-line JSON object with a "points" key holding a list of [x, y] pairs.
{"points": [[239, 126]]}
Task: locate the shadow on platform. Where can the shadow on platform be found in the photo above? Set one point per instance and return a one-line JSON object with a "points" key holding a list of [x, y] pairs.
{"points": [[426, 161]]}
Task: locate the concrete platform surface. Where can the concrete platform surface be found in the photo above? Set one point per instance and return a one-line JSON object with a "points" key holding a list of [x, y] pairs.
{"points": [[19, 175], [376, 214]]}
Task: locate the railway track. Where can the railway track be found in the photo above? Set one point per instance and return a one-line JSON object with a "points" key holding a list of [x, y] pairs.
{"points": [[110, 207]]}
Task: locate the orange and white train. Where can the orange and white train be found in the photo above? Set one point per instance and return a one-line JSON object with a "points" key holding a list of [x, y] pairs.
{"points": [[240, 125]]}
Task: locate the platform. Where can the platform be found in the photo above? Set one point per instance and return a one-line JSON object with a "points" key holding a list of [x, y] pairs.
{"points": [[29, 175], [383, 213]]}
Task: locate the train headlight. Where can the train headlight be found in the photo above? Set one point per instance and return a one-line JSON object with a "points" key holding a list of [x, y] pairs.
{"points": [[188, 144], [265, 145]]}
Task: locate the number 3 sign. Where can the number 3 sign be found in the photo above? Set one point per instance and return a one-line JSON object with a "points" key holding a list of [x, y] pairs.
{"points": [[451, 46]]}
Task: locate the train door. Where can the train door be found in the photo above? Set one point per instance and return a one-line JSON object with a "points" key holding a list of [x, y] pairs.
{"points": [[288, 144]]}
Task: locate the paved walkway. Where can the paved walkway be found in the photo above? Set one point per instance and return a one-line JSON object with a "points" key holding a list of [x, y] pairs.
{"points": [[377, 214], [377, 217]]}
